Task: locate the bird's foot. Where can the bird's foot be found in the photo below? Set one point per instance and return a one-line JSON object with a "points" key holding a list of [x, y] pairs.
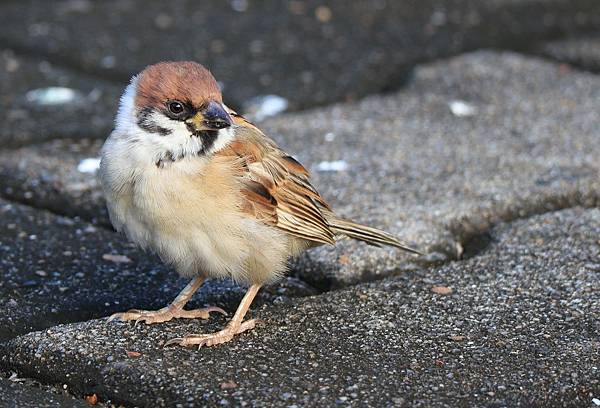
{"points": [[213, 339], [164, 315]]}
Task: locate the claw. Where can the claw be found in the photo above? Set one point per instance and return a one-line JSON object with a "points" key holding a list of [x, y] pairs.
{"points": [[213, 339], [216, 309], [116, 316], [235, 325], [164, 315], [176, 340]]}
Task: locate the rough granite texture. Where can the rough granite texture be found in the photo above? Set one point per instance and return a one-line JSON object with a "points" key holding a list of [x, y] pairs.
{"points": [[488, 162], [518, 328], [310, 52], [529, 144], [19, 393], [583, 52], [46, 176], [89, 113], [55, 270]]}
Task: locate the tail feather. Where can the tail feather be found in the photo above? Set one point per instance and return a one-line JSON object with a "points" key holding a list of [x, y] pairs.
{"points": [[370, 235]]}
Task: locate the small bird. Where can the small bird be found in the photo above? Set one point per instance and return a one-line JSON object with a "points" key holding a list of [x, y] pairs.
{"points": [[190, 179]]}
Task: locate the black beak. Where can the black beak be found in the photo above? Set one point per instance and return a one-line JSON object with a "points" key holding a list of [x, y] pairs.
{"points": [[215, 116]]}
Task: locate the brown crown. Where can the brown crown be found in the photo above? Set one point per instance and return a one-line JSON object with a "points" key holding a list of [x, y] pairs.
{"points": [[185, 81]]}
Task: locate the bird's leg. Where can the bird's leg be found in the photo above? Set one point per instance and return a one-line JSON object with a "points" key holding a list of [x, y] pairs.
{"points": [[235, 326], [174, 310]]}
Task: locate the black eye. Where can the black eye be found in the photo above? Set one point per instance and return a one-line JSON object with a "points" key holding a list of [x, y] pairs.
{"points": [[176, 107]]}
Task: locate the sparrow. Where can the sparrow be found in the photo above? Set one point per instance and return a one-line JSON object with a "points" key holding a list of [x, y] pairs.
{"points": [[187, 177]]}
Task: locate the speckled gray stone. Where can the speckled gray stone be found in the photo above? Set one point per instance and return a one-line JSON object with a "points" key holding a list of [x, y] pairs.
{"points": [[310, 52], [519, 328], [47, 176], [20, 394], [582, 52], [528, 144], [88, 112], [54, 270], [438, 178]]}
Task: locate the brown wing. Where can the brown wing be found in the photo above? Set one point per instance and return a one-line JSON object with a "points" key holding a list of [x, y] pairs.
{"points": [[275, 187]]}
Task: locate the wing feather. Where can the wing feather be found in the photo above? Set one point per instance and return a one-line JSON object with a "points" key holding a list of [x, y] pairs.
{"points": [[276, 190], [275, 187]]}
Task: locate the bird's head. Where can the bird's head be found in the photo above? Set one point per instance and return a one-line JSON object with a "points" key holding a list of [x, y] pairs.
{"points": [[175, 109]]}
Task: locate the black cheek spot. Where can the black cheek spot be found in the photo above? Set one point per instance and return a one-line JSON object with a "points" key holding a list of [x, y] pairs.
{"points": [[145, 122]]}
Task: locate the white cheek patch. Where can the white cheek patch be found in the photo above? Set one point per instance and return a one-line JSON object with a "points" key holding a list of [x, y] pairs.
{"points": [[171, 141], [225, 136], [125, 120], [179, 143]]}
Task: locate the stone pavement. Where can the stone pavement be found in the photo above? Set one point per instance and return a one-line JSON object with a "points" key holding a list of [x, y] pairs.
{"points": [[309, 52], [93, 273], [582, 52], [447, 177], [31, 113], [487, 161], [518, 328], [17, 393]]}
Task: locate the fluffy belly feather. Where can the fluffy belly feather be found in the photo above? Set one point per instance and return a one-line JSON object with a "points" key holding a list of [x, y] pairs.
{"points": [[196, 226]]}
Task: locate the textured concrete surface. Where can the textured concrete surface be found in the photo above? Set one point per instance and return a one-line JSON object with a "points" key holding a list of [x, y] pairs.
{"points": [[56, 270], [19, 393], [516, 325], [522, 140], [582, 52], [487, 161], [309, 52], [67, 103], [48, 176]]}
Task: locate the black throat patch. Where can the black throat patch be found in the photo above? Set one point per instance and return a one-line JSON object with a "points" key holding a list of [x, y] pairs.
{"points": [[208, 138]]}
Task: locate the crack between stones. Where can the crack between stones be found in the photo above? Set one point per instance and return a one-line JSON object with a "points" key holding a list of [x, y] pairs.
{"points": [[471, 232], [574, 65], [470, 235], [58, 209], [473, 236], [32, 382]]}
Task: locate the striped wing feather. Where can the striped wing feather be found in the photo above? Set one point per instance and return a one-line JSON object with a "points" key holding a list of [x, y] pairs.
{"points": [[275, 186], [277, 191]]}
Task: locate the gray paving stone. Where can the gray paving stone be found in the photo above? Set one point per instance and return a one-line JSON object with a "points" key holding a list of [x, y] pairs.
{"points": [[582, 52], [439, 178], [54, 270], [519, 328], [310, 52], [20, 394], [47, 175], [67, 103], [524, 143]]}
